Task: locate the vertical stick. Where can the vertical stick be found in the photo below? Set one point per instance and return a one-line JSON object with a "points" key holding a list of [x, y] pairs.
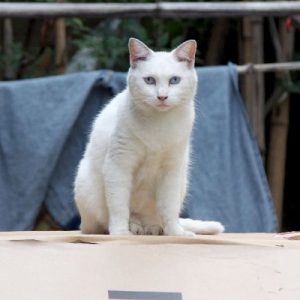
{"points": [[60, 44], [253, 83], [217, 40], [259, 101], [279, 125]]}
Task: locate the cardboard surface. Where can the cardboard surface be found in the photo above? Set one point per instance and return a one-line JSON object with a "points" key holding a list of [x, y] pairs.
{"points": [[68, 265]]}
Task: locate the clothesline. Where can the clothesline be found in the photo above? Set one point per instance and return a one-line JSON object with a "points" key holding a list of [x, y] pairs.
{"points": [[268, 67]]}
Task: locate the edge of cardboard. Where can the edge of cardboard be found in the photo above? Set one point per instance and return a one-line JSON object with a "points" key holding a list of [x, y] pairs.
{"points": [[255, 239]]}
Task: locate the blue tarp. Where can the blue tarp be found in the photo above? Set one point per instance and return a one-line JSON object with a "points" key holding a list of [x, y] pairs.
{"points": [[44, 126]]}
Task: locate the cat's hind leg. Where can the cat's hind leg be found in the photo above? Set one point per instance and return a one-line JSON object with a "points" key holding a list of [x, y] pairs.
{"points": [[89, 226], [94, 220], [90, 201]]}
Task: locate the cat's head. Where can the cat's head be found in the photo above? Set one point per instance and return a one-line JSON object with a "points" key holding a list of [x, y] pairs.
{"points": [[162, 80]]}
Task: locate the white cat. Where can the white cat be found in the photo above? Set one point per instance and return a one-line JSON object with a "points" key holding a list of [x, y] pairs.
{"points": [[133, 176]]}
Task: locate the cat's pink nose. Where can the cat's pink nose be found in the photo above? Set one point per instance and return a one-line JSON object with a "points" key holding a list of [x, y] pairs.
{"points": [[162, 98]]}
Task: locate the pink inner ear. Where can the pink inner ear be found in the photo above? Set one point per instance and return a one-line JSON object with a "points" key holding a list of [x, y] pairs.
{"points": [[186, 52], [133, 52], [138, 52]]}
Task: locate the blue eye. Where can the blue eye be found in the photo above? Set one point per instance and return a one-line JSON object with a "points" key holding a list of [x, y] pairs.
{"points": [[149, 80], [174, 80]]}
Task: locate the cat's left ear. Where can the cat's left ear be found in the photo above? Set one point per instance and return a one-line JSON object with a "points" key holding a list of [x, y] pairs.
{"points": [[186, 52], [138, 51]]}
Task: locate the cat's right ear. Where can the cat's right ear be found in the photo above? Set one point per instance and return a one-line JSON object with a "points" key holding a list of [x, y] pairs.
{"points": [[138, 51]]}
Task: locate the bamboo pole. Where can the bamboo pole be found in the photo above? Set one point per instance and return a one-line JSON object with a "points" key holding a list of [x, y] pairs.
{"points": [[60, 44], [252, 86], [217, 42], [259, 84], [268, 67], [279, 129], [156, 9], [245, 56]]}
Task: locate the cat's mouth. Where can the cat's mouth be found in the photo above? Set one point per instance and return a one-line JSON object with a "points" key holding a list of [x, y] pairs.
{"points": [[163, 106]]}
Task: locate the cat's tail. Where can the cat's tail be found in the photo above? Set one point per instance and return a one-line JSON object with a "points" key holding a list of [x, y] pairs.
{"points": [[201, 227]]}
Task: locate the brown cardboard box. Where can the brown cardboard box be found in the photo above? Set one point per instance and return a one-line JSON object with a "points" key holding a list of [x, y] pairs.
{"points": [[71, 266]]}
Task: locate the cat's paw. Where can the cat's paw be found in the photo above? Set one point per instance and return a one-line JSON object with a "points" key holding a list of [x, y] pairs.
{"points": [[136, 227], [153, 229], [144, 225]]}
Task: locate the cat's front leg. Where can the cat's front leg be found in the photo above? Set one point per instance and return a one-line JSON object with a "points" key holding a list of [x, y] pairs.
{"points": [[117, 178], [169, 199]]}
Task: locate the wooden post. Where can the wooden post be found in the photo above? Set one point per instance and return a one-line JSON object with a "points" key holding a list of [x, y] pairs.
{"points": [[252, 87], [279, 125], [217, 40], [60, 44]]}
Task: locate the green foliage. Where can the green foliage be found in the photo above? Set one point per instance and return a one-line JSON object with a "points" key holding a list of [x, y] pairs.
{"points": [[108, 40], [13, 58]]}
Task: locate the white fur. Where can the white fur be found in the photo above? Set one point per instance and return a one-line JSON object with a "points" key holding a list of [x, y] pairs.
{"points": [[134, 173]]}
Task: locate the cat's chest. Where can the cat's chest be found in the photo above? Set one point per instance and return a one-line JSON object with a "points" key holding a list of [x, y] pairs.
{"points": [[163, 133], [147, 176], [149, 168]]}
